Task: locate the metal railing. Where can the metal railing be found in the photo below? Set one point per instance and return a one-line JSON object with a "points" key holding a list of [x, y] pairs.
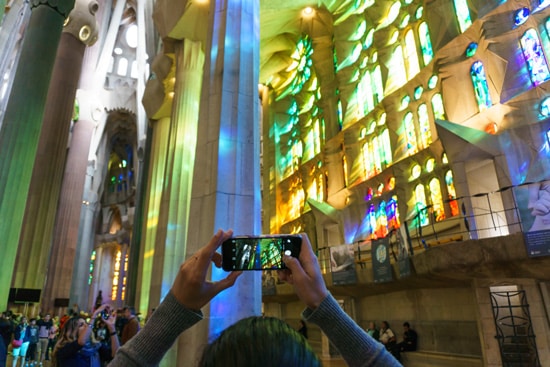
{"points": [[487, 217]]}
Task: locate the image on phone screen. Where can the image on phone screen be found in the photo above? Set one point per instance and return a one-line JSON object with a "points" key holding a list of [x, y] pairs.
{"points": [[258, 253]]}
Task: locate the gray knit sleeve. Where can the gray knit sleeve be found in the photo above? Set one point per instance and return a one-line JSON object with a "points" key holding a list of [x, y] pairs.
{"points": [[355, 345], [150, 344]]}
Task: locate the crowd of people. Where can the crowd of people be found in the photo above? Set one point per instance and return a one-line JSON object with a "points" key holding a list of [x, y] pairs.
{"points": [[76, 339], [250, 342]]}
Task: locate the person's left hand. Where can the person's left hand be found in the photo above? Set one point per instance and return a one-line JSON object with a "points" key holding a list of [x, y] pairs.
{"points": [[191, 288]]}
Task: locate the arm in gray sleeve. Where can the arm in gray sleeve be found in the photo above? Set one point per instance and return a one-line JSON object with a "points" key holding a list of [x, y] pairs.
{"points": [[148, 346], [357, 347]]}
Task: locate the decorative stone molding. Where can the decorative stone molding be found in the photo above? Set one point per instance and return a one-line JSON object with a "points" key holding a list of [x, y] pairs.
{"points": [[81, 22]]}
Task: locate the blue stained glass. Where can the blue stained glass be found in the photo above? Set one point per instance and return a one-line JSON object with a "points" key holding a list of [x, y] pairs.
{"points": [[534, 57], [521, 16], [481, 88], [545, 107], [543, 4], [471, 49]]}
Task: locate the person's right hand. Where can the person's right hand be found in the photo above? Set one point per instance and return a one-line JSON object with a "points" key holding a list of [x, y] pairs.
{"points": [[190, 287], [304, 274]]}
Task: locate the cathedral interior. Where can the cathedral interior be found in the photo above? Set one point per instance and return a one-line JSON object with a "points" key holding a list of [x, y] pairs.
{"points": [[409, 137]]}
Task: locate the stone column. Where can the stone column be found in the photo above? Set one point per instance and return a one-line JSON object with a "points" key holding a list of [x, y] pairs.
{"points": [[47, 175], [43, 197], [22, 124], [226, 184], [65, 233]]}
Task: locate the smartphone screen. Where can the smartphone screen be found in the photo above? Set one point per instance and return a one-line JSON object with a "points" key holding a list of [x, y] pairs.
{"points": [[259, 253]]}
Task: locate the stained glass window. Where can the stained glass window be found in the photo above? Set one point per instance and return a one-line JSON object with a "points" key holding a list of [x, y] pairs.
{"points": [[372, 220], [392, 213], [411, 57], [425, 43], [376, 149], [471, 49], [534, 57], [462, 15], [410, 133], [545, 107], [521, 16], [432, 82], [368, 162], [91, 270], [365, 98], [415, 172], [437, 200], [398, 77], [437, 107], [377, 85], [424, 124], [420, 205], [453, 204], [543, 4], [387, 156], [481, 88], [381, 221]]}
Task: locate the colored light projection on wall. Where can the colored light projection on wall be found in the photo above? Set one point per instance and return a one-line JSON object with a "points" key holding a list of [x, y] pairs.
{"points": [[298, 134], [534, 57]]}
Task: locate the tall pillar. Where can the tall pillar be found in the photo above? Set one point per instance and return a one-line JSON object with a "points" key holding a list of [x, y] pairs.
{"points": [[226, 184], [22, 124], [43, 197], [67, 218]]}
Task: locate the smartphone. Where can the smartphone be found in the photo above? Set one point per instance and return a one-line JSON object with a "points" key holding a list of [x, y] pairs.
{"points": [[259, 252]]}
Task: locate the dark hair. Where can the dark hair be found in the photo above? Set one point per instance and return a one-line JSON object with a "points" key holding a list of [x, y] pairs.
{"points": [[259, 341], [406, 324], [130, 308]]}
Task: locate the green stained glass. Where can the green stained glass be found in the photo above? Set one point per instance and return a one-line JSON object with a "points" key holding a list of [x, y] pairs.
{"points": [[437, 107], [405, 102], [410, 133], [418, 92], [419, 12], [405, 21], [411, 62], [369, 39], [425, 43], [462, 15], [424, 124], [471, 49], [432, 82]]}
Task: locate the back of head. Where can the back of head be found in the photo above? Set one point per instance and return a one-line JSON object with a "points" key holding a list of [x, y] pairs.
{"points": [[259, 341]]}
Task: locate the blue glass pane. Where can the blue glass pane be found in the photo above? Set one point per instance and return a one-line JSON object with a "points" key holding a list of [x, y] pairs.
{"points": [[471, 49], [481, 88], [521, 16], [534, 57]]}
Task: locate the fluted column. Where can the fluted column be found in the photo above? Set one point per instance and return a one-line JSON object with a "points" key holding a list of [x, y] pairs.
{"points": [[22, 124], [226, 185]]}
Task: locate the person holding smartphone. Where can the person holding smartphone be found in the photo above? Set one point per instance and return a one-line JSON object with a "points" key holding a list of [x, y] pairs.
{"points": [[274, 341]]}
